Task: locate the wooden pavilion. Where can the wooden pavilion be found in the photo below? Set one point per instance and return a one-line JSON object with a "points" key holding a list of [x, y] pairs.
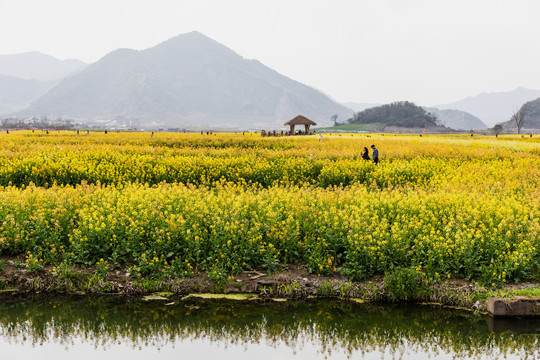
{"points": [[299, 120]]}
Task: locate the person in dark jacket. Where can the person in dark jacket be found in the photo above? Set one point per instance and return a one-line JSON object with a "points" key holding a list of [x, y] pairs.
{"points": [[375, 155], [365, 154]]}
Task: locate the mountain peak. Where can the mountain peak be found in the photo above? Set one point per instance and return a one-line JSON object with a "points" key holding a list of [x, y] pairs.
{"points": [[189, 79], [192, 44], [196, 34], [38, 66], [191, 38]]}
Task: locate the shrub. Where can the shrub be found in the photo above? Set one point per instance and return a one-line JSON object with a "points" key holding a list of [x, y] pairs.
{"points": [[404, 284]]}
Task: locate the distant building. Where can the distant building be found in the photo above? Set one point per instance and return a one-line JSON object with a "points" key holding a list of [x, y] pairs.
{"points": [[300, 120]]}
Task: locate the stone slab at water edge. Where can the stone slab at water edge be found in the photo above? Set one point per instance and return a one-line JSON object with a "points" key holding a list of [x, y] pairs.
{"points": [[517, 306]]}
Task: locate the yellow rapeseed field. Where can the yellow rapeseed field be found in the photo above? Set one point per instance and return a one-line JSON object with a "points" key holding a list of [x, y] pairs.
{"points": [[174, 204]]}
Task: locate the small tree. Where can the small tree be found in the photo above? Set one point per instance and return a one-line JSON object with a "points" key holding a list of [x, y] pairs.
{"points": [[435, 118], [334, 119], [354, 118], [519, 117], [497, 129]]}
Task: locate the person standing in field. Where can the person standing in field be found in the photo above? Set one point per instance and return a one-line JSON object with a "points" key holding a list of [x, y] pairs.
{"points": [[365, 154], [320, 137], [375, 154]]}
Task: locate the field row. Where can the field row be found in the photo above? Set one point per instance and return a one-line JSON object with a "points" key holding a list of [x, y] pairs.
{"points": [[25, 143], [115, 169], [174, 230], [56, 165]]}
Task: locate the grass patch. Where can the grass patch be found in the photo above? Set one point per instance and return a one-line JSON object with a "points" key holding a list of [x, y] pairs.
{"points": [[508, 293]]}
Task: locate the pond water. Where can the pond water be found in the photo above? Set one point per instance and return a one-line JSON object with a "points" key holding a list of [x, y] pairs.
{"points": [[114, 328]]}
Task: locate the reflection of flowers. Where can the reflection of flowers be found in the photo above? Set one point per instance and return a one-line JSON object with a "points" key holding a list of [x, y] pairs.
{"points": [[331, 327]]}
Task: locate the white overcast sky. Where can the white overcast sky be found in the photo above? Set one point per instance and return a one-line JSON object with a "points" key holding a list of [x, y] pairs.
{"points": [[426, 51]]}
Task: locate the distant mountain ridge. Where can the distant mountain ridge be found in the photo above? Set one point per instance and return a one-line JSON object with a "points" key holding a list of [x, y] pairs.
{"points": [[457, 119], [189, 79], [496, 107], [532, 119], [37, 66], [17, 94], [28, 76]]}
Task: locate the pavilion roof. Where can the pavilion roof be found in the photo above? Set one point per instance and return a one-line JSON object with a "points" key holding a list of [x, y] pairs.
{"points": [[300, 120]]}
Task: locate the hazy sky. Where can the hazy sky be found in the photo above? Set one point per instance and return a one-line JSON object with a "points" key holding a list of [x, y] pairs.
{"points": [[426, 51]]}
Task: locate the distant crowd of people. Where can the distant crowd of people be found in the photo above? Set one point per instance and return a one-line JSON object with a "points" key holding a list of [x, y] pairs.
{"points": [[265, 133]]}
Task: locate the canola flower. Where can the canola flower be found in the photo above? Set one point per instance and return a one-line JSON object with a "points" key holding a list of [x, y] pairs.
{"points": [[176, 204], [178, 229], [114, 159]]}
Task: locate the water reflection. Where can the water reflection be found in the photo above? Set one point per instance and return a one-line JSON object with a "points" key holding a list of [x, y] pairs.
{"points": [[326, 329]]}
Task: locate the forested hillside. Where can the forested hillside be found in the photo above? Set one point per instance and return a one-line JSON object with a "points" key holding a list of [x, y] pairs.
{"points": [[401, 113]]}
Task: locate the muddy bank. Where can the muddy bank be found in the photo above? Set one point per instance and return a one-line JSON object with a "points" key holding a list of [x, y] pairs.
{"points": [[291, 282]]}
